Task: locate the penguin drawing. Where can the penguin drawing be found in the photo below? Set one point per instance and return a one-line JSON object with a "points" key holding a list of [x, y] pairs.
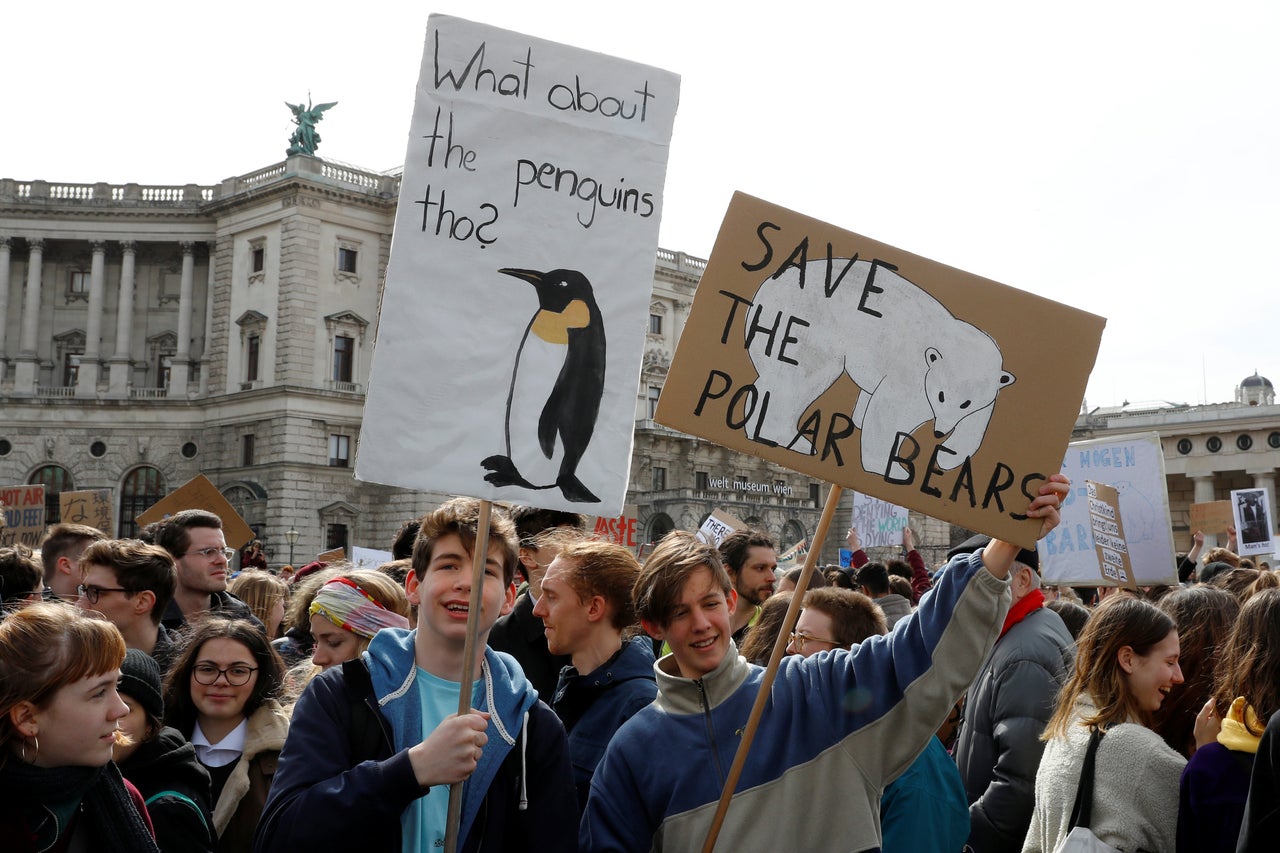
{"points": [[556, 385]]}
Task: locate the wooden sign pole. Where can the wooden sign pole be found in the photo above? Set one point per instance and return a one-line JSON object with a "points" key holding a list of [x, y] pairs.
{"points": [[479, 552], [771, 671]]}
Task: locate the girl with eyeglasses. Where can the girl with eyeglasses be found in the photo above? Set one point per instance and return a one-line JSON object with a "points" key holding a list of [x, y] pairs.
{"points": [[59, 720], [221, 694]]}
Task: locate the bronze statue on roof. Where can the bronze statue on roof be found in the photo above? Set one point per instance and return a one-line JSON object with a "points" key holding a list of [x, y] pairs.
{"points": [[305, 139]]}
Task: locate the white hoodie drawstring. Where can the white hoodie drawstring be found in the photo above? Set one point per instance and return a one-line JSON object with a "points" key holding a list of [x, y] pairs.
{"points": [[524, 769]]}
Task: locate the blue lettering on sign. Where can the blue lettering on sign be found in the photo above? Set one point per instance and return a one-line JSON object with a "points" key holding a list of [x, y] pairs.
{"points": [[1060, 541], [1109, 457]]}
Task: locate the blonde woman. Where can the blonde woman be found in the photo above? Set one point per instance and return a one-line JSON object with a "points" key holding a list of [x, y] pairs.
{"points": [[266, 595]]}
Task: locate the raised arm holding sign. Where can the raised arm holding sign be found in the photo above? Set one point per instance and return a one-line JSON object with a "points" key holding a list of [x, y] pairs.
{"points": [[643, 799]]}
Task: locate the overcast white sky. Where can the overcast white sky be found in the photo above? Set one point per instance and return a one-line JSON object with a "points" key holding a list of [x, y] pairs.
{"points": [[1120, 157]]}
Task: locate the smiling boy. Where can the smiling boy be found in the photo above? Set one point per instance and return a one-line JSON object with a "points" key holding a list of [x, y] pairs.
{"points": [[825, 736], [375, 743]]}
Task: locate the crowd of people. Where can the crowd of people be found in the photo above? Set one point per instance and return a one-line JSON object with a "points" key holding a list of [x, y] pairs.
{"points": [[153, 699]]}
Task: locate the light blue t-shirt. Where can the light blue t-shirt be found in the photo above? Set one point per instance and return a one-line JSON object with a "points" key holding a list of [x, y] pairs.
{"points": [[427, 816]]}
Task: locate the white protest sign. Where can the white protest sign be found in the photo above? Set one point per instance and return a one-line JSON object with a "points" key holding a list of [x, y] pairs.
{"points": [[1134, 465], [1252, 513], [513, 318], [717, 526], [369, 558], [879, 523], [1107, 524]]}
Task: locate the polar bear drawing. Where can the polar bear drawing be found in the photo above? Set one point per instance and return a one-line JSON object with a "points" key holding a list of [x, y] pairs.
{"points": [[912, 360]]}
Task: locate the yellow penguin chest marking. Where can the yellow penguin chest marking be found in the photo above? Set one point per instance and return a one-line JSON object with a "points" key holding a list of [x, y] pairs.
{"points": [[554, 328]]}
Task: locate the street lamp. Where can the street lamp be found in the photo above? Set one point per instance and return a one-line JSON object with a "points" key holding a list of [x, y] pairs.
{"points": [[291, 536]]}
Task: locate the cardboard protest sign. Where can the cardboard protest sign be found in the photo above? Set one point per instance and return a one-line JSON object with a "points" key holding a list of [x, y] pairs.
{"points": [[879, 523], [23, 515], [532, 187], [200, 493], [333, 555], [717, 526], [867, 366], [622, 530], [1212, 517], [795, 554], [1107, 527], [1134, 465], [1252, 514], [91, 507], [369, 558]]}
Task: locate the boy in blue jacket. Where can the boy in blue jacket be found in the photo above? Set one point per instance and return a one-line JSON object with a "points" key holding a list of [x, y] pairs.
{"points": [[375, 744], [839, 725]]}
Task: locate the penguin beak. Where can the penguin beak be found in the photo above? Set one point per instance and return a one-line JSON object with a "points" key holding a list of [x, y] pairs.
{"points": [[532, 276]]}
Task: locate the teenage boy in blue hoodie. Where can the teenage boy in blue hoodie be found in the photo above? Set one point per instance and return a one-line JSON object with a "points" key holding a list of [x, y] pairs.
{"points": [[838, 728], [375, 744]]}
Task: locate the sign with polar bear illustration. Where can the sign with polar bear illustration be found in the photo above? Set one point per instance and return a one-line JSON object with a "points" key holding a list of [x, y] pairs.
{"points": [[1134, 466], [862, 364]]}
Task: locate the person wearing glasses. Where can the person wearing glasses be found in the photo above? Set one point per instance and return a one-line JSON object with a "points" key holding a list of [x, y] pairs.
{"points": [[221, 694], [194, 537], [131, 583], [21, 581], [924, 810], [60, 556]]}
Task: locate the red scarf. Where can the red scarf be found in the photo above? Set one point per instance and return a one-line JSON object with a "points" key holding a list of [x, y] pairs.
{"points": [[1033, 600]]}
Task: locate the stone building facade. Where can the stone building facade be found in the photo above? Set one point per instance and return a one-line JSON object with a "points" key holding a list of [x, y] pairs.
{"points": [[151, 333]]}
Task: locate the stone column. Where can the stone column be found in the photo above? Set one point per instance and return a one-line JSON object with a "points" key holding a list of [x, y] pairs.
{"points": [[91, 363], [121, 364], [208, 322], [28, 361], [1203, 484], [5, 245], [180, 372]]}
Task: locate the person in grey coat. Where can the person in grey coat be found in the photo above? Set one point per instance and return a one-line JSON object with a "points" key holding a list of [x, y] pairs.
{"points": [[1007, 708]]}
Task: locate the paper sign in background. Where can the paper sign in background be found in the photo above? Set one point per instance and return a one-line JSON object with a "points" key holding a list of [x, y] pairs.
{"points": [[1134, 465], [23, 515], [879, 523], [1253, 521], [893, 375], [200, 493], [1107, 526], [91, 507], [1212, 517], [513, 318]]}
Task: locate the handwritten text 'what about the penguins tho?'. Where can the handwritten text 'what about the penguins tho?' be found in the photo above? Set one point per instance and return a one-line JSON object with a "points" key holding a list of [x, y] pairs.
{"points": [[862, 364], [450, 152]]}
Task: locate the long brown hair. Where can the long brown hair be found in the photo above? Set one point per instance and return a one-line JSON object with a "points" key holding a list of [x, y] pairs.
{"points": [[1250, 662], [1118, 622], [1203, 616]]}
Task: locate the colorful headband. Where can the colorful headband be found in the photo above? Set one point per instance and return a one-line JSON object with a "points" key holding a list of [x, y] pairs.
{"points": [[349, 607]]}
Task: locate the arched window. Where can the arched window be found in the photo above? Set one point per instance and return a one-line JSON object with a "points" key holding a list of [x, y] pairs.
{"points": [[792, 532], [142, 487], [55, 480], [658, 526]]}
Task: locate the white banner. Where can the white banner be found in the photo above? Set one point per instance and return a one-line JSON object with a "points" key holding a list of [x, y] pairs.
{"points": [[879, 523], [1134, 466], [515, 308]]}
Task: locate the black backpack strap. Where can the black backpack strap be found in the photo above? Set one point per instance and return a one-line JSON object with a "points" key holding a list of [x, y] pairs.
{"points": [[364, 732], [1082, 812]]}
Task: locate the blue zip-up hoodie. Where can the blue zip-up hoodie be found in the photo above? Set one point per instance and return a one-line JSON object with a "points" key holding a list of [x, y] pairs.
{"points": [[839, 726], [345, 777], [503, 691]]}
